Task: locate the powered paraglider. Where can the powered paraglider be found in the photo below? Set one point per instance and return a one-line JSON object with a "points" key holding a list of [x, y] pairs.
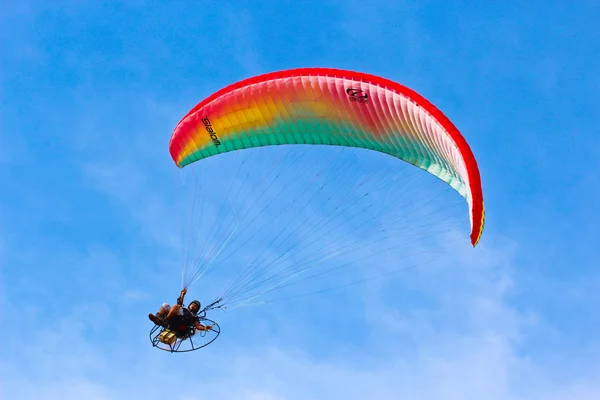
{"points": [[329, 221]]}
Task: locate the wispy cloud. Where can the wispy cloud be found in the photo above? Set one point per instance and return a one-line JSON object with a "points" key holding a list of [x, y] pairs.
{"points": [[421, 354], [89, 246]]}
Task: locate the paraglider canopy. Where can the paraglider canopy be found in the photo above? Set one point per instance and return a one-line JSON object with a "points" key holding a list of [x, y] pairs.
{"points": [[332, 107]]}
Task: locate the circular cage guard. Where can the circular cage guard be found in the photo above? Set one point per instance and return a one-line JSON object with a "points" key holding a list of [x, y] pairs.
{"points": [[193, 341]]}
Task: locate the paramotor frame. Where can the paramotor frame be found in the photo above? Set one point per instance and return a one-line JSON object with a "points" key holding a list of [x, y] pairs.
{"points": [[190, 340]]}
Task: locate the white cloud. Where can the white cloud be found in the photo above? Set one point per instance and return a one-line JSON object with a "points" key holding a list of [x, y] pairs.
{"points": [[446, 332], [462, 345]]}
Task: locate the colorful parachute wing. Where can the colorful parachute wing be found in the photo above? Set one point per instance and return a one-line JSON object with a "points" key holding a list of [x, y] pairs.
{"points": [[332, 107]]}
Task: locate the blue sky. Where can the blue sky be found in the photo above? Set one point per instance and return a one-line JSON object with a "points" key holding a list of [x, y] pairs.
{"points": [[89, 96]]}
